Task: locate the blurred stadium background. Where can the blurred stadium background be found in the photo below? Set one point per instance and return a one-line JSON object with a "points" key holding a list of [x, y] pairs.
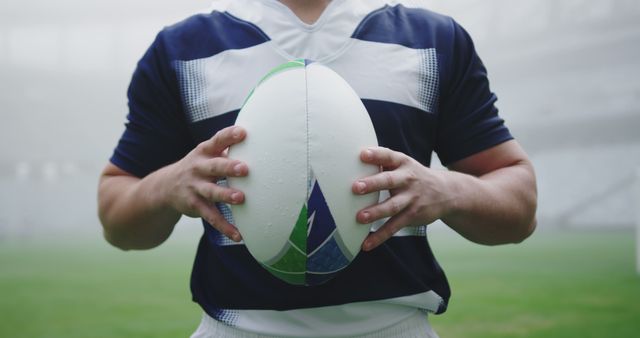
{"points": [[567, 73]]}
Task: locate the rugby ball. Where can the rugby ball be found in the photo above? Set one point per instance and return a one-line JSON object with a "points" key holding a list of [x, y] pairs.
{"points": [[305, 130]]}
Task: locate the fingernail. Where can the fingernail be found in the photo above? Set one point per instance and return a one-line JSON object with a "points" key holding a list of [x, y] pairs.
{"points": [[237, 169], [361, 186], [235, 197], [365, 217], [368, 154], [236, 133], [236, 237]]}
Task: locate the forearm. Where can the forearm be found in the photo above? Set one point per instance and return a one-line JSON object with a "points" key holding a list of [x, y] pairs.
{"points": [[495, 208], [134, 212]]}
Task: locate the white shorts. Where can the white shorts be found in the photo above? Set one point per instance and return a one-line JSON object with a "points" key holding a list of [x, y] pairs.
{"points": [[416, 326]]}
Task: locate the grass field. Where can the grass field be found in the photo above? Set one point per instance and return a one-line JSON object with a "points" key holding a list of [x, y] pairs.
{"points": [[565, 284], [557, 284]]}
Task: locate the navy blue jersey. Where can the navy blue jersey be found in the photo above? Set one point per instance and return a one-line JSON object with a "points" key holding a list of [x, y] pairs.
{"points": [[417, 72]]}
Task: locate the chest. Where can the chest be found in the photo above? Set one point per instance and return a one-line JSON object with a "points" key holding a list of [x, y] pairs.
{"points": [[399, 86]]}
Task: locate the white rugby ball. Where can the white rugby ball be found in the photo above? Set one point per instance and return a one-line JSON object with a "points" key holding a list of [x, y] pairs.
{"points": [[305, 129]]}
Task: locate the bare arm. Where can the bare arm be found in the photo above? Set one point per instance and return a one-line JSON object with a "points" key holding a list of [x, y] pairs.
{"points": [[133, 211], [496, 196], [489, 198], [141, 213]]}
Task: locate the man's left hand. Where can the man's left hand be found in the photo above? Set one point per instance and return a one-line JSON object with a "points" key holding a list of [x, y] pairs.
{"points": [[419, 195]]}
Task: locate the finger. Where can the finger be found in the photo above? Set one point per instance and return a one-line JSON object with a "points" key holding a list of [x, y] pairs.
{"points": [[393, 225], [223, 139], [212, 215], [221, 166], [386, 180], [215, 193], [388, 208], [384, 157]]}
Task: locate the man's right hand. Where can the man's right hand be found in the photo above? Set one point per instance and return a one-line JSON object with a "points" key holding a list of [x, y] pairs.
{"points": [[192, 188], [140, 213]]}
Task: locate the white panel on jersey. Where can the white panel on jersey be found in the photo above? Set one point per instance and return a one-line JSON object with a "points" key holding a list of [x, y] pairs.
{"points": [[330, 321], [294, 38], [390, 72], [320, 41], [378, 71], [428, 301], [219, 84]]}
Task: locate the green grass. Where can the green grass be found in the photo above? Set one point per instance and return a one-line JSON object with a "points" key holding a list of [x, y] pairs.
{"points": [[553, 285], [558, 284], [82, 290]]}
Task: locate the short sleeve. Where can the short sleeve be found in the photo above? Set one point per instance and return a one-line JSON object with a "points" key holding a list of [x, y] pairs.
{"points": [[468, 120], [156, 132]]}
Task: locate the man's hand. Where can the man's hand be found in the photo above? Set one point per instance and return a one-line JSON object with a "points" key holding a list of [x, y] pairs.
{"points": [[419, 195], [489, 197], [141, 213], [191, 188]]}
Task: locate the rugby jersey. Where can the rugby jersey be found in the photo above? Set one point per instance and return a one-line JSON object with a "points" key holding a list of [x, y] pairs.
{"points": [[424, 87]]}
